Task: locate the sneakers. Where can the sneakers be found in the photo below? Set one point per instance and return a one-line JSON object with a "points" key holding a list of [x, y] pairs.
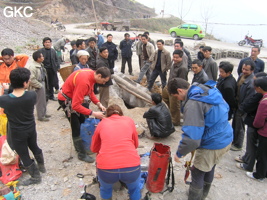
{"points": [[47, 116], [239, 159], [56, 91], [240, 166], [131, 74], [234, 148], [136, 81], [44, 119], [250, 175]]}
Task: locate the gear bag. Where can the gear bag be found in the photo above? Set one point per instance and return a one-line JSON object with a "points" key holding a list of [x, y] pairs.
{"points": [[160, 161], [87, 131]]}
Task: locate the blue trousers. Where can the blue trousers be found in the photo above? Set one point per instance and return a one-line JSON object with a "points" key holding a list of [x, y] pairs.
{"points": [[130, 176]]}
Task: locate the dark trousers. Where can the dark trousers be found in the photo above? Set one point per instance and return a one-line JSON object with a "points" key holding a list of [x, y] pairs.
{"points": [[111, 63], [52, 78], [154, 76], [251, 149], [129, 62], [238, 128], [22, 142], [199, 177], [261, 165]]}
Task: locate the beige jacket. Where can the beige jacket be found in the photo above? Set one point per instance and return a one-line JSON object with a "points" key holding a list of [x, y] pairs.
{"points": [[150, 51], [166, 60], [38, 75]]}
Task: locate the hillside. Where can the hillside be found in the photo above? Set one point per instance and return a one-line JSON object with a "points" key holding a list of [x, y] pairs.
{"points": [[69, 11]]}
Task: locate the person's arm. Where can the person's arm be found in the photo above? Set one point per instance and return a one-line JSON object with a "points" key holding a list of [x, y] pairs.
{"points": [[33, 80], [229, 96], [150, 114], [182, 73], [56, 60], [96, 140], [152, 51], [120, 45], [262, 66], [193, 128], [250, 91], [21, 60], [168, 61], [251, 104], [214, 71], [115, 53], [261, 116], [135, 135], [239, 68]]}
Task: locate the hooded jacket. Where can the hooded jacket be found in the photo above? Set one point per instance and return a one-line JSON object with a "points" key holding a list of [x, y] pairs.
{"points": [[205, 120]]}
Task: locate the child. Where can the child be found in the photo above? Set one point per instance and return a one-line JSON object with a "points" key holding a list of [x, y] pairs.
{"points": [[19, 107]]}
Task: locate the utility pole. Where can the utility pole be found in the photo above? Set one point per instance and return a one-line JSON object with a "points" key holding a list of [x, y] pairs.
{"points": [[96, 22]]}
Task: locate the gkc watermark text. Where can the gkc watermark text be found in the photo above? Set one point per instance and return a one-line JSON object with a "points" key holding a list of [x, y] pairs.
{"points": [[18, 11]]}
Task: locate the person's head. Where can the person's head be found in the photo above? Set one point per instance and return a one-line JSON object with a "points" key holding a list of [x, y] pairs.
{"points": [[144, 39], [109, 37], [160, 44], [98, 32], [248, 67], [80, 44], [92, 42], [73, 44], [103, 52], [146, 33], [225, 69], [177, 46], [255, 51], [8, 56], [196, 66], [47, 42], [260, 74], [139, 36], [102, 75], [67, 40], [177, 56], [156, 98], [127, 36], [260, 85], [201, 48], [38, 57], [20, 77], [177, 40], [178, 87], [207, 51], [83, 56], [114, 109]]}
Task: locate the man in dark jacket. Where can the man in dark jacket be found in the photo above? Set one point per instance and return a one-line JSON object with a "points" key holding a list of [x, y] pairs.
{"points": [[227, 86], [255, 51], [247, 161], [112, 51], [93, 52], [126, 53], [158, 118], [80, 45], [245, 90], [51, 64], [200, 75], [102, 61]]}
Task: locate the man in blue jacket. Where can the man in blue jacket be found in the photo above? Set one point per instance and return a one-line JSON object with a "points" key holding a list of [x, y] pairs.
{"points": [[206, 129]]}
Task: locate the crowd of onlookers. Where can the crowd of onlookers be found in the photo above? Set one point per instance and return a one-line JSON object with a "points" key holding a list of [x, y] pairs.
{"points": [[208, 103]]}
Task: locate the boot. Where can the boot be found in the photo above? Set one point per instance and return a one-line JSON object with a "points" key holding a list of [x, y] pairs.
{"points": [[78, 144], [206, 190], [40, 161], [194, 193], [35, 175]]}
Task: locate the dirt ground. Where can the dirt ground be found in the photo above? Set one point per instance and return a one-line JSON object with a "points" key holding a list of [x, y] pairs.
{"points": [[60, 181]]}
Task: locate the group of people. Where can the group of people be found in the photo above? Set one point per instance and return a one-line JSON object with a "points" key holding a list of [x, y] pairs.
{"points": [[207, 107]]}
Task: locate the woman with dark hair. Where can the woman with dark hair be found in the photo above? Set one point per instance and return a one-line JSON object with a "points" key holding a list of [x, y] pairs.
{"points": [[115, 141], [260, 123]]}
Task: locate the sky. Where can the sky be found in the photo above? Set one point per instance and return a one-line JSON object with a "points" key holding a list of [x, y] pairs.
{"points": [[226, 12]]}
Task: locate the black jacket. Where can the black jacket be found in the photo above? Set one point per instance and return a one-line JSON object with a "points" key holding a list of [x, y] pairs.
{"points": [[126, 48], [112, 50], [102, 62], [54, 62], [250, 107], [93, 57], [228, 88], [159, 121]]}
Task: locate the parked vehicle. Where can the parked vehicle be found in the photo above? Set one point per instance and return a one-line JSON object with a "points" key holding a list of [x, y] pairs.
{"points": [[188, 30], [250, 41], [58, 25], [116, 26]]}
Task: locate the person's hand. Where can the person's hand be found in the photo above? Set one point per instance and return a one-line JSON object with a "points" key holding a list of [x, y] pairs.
{"points": [[101, 107], [5, 86], [176, 159], [98, 115]]}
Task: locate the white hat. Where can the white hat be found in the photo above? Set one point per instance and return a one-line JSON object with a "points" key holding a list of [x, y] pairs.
{"points": [[82, 53]]}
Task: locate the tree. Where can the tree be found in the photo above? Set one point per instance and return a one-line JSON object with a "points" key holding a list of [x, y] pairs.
{"points": [[206, 13], [184, 9]]}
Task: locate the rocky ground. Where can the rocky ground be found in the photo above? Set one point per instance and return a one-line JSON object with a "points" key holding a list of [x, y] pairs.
{"points": [[54, 137]]}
